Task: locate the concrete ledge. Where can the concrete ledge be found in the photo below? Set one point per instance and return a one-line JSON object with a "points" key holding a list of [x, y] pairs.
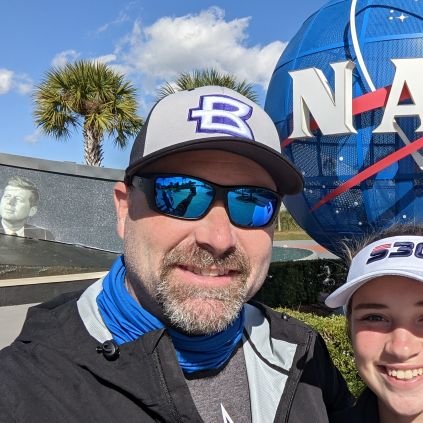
{"points": [[65, 168], [40, 289], [52, 279]]}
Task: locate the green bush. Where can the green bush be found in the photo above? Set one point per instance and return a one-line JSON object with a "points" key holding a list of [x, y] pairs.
{"points": [[294, 283], [333, 331], [286, 222]]}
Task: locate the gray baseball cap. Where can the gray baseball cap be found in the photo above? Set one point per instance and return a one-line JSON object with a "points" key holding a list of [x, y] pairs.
{"points": [[215, 118]]}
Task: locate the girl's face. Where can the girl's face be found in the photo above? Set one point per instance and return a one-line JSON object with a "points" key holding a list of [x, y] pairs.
{"points": [[386, 325]]}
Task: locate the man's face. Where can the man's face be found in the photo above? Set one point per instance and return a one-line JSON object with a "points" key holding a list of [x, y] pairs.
{"points": [[15, 205], [195, 274]]}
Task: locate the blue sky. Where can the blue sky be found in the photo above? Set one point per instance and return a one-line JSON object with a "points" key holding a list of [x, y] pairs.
{"points": [[149, 41]]}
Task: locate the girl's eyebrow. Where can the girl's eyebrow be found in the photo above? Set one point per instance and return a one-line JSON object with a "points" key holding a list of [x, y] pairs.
{"points": [[364, 306], [378, 306]]}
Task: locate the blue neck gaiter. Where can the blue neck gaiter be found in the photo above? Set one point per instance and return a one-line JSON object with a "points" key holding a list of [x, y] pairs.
{"points": [[127, 320]]}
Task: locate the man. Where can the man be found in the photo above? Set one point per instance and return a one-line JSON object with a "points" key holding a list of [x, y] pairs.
{"points": [[18, 203], [168, 335]]}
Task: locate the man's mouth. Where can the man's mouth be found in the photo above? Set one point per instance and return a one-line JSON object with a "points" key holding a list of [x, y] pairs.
{"points": [[213, 272], [405, 374]]}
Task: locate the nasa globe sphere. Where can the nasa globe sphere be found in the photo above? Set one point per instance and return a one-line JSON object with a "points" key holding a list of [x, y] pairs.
{"points": [[361, 180]]}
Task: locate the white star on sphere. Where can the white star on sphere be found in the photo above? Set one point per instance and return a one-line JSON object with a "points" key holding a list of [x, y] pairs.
{"points": [[402, 17]]}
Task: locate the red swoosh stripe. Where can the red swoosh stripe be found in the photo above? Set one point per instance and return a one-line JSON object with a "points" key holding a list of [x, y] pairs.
{"points": [[371, 170]]}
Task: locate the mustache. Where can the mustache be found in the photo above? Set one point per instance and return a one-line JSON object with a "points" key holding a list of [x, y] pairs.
{"points": [[220, 304], [198, 257]]}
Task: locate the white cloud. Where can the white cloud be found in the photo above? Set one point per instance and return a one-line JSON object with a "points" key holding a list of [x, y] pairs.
{"points": [[68, 56], [6, 80], [122, 18], [150, 55], [64, 57], [34, 137], [24, 84], [108, 58], [196, 41], [11, 81]]}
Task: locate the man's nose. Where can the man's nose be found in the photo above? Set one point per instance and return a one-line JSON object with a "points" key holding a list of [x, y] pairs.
{"points": [[11, 201], [215, 232], [403, 344]]}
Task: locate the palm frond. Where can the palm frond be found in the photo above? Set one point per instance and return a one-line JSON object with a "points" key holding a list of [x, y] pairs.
{"points": [[204, 77]]}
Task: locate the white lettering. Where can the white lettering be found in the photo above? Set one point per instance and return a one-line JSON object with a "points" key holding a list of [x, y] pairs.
{"points": [[408, 73], [218, 113], [313, 95]]}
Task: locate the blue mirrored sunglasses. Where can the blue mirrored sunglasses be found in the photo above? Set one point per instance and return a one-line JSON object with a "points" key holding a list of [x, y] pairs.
{"points": [[188, 197]]}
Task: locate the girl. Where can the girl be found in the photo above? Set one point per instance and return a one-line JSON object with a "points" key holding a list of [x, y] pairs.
{"points": [[383, 300]]}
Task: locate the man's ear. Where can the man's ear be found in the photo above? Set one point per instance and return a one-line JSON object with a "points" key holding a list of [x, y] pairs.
{"points": [[121, 199], [32, 211]]}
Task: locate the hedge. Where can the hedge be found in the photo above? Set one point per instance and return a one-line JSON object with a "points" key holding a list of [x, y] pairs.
{"points": [[298, 285], [295, 283], [286, 222], [333, 330]]}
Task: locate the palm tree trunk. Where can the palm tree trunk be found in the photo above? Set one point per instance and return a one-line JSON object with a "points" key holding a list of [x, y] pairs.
{"points": [[93, 151]]}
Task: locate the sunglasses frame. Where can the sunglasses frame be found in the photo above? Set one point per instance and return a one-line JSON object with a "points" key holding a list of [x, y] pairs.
{"points": [[146, 183]]}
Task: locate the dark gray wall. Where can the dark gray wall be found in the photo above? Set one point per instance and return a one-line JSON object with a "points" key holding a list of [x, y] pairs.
{"points": [[76, 201]]}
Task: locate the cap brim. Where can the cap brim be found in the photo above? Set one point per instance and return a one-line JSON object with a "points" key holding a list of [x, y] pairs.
{"points": [[341, 296], [287, 178]]}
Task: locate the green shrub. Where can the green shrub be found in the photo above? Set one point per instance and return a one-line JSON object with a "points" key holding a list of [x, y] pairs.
{"points": [[286, 222], [294, 283], [333, 331]]}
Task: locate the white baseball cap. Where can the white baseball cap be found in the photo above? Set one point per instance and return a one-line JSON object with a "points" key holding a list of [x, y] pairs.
{"points": [[392, 256], [216, 118]]}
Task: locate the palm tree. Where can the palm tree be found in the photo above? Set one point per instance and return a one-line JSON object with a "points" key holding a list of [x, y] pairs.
{"points": [[90, 95], [202, 77]]}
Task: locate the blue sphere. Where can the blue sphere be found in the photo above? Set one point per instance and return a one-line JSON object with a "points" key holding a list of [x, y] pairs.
{"points": [[353, 184]]}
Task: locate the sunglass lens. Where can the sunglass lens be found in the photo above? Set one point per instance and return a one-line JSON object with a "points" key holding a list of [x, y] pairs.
{"points": [[181, 196], [252, 207]]}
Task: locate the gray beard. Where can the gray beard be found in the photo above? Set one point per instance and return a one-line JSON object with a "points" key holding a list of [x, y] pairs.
{"points": [[220, 306]]}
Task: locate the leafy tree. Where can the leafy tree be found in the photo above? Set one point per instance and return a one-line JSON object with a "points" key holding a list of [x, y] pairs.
{"points": [[203, 77], [90, 95]]}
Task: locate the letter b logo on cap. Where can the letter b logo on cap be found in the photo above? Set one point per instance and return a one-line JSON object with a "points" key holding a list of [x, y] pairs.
{"points": [[222, 114]]}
